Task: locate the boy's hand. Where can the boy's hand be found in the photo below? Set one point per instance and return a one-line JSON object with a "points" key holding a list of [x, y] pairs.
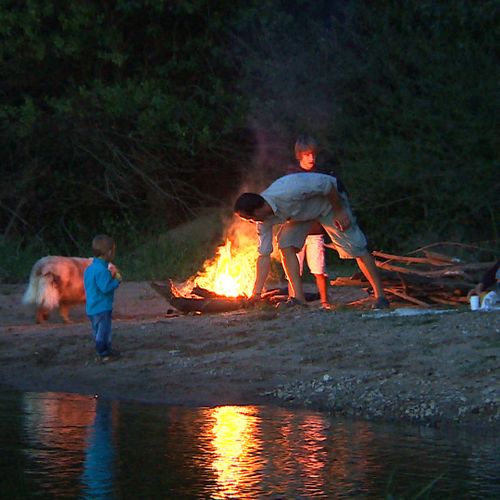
{"points": [[342, 220], [118, 276]]}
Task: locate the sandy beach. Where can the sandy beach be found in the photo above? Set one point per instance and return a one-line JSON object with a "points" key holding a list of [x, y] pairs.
{"points": [[438, 368]]}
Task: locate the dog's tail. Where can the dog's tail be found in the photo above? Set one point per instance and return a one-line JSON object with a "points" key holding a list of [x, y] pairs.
{"points": [[42, 288]]}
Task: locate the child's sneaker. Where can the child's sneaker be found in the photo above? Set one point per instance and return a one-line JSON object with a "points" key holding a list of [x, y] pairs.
{"points": [[112, 356]]}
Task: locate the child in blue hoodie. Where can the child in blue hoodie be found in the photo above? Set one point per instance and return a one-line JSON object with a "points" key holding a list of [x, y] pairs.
{"points": [[100, 285]]}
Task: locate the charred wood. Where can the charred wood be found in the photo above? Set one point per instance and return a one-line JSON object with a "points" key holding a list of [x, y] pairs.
{"points": [[210, 302], [204, 305]]}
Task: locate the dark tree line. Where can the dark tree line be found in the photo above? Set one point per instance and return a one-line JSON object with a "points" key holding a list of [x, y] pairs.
{"points": [[128, 116]]}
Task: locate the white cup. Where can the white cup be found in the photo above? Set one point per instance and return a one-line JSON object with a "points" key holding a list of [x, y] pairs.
{"points": [[474, 303]]}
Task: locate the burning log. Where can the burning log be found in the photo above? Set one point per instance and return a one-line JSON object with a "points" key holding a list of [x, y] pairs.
{"points": [[213, 304], [210, 302], [433, 279]]}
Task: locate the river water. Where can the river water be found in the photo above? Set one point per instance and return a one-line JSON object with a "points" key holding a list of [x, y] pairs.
{"points": [[57, 445]]}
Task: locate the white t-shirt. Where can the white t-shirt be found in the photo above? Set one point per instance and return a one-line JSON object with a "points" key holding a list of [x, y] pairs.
{"points": [[295, 197]]}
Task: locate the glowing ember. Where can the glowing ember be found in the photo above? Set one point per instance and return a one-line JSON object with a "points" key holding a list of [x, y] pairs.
{"points": [[232, 272]]}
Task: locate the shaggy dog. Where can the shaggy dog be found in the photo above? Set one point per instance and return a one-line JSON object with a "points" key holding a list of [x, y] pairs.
{"points": [[57, 282]]}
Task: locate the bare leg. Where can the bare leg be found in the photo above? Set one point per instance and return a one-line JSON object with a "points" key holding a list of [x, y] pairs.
{"points": [[292, 271], [322, 284], [368, 267]]}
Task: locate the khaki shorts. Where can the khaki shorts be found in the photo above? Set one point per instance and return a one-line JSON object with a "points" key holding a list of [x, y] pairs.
{"points": [[349, 244]]}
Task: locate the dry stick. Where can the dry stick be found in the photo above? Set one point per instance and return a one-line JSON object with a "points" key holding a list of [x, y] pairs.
{"points": [[449, 271], [449, 243], [147, 179], [342, 281], [406, 297], [423, 282], [359, 301], [440, 300], [439, 257], [417, 260], [179, 188], [15, 215]]}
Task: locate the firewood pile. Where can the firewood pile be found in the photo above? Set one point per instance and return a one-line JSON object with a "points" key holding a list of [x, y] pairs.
{"points": [[423, 279]]}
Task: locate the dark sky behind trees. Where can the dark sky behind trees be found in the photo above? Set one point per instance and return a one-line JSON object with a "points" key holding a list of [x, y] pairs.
{"points": [[127, 115]]}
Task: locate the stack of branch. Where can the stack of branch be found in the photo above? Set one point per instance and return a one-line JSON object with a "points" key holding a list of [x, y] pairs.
{"points": [[426, 280]]}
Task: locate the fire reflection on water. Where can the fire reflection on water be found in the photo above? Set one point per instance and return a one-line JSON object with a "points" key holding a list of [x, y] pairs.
{"points": [[246, 451], [295, 451], [77, 445], [236, 443]]}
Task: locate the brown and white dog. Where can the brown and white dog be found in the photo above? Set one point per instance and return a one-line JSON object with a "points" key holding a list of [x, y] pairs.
{"points": [[57, 282]]}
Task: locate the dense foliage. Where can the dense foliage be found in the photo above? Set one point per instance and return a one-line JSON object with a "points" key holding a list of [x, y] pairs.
{"points": [[117, 116], [128, 116]]}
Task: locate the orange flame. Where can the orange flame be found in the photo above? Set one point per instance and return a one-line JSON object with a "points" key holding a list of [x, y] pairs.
{"points": [[232, 272]]}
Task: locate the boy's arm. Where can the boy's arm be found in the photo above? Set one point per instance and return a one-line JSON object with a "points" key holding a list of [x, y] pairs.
{"points": [[263, 264], [262, 267], [340, 215], [106, 282]]}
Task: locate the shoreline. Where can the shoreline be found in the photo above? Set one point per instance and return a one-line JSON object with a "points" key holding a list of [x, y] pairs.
{"points": [[430, 369]]}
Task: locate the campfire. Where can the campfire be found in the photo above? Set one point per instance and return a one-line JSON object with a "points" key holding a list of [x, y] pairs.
{"points": [[225, 282], [231, 273]]}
